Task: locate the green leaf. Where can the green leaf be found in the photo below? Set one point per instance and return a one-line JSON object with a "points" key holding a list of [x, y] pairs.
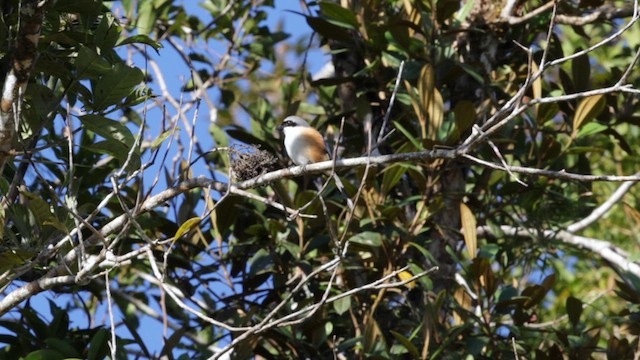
{"points": [[186, 226], [59, 325], [590, 129], [109, 129], [338, 15], [588, 109], [160, 139], [367, 238], [89, 64], [115, 85], [141, 39], [489, 251], [33, 321], [581, 72], [546, 112], [412, 349], [84, 7], [118, 151], [107, 33], [64, 347], [46, 354], [260, 262], [465, 115], [147, 17], [537, 292], [342, 305], [416, 143], [392, 175], [328, 30], [99, 347], [9, 258], [574, 310]]}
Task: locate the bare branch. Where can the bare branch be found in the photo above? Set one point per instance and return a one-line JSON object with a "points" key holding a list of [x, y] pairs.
{"points": [[604, 208], [603, 249], [603, 12], [554, 174]]}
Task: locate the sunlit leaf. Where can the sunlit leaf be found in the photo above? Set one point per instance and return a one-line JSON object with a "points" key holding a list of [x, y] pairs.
{"points": [[44, 354], [367, 238], [160, 139], [469, 231], [536, 87], [404, 276], [342, 305], [465, 301], [431, 100], [590, 129], [141, 39], [588, 109], [186, 226], [147, 17]]}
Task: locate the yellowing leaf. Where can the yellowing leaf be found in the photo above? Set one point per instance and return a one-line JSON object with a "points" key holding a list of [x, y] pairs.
{"points": [[469, 229], [372, 334], [186, 226], [587, 110], [465, 302], [158, 141], [537, 83], [413, 14], [431, 100], [416, 103], [405, 275], [435, 109]]}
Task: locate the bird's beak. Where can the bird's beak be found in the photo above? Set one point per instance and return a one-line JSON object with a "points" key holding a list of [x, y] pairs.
{"points": [[280, 127]]}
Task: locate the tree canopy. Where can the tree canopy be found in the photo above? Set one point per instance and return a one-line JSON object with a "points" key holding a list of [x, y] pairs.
{"points": [[487, 147]]}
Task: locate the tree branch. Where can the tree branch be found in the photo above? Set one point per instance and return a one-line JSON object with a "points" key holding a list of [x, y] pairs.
{"points": [[604, 249]]}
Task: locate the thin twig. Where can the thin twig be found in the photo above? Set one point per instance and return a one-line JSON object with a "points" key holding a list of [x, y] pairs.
{"points": [[112, 344], [387, 115]]}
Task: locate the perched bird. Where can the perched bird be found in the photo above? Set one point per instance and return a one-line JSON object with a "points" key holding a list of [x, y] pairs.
{"points": [[305, 145]]}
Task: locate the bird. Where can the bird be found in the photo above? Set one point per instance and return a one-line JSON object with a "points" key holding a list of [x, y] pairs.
{"points": [[305, 145]]}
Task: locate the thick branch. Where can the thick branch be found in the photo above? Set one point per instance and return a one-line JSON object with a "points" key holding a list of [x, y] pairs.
{"points": [[24, 58], [603, 12], [604, 249]]}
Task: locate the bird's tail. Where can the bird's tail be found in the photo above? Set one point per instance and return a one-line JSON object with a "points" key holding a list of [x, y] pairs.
{"points": [[340, 187]]}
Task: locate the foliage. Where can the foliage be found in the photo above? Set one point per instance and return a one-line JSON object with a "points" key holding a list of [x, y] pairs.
{"points": [[465, 241]]}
